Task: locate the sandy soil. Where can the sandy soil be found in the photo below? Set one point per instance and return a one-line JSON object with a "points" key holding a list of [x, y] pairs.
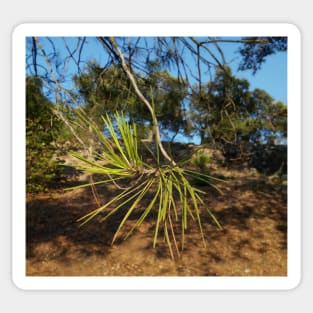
{"points": [[253, 212]]}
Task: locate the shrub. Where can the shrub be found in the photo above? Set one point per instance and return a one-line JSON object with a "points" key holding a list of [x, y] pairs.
{"points": [[41, 168], [201, 161], [42, 128]]}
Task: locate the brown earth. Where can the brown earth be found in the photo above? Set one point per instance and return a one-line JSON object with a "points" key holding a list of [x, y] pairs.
{"points": [[253, 212]]}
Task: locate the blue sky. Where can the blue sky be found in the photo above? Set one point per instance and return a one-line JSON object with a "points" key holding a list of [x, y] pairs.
{"points": [[272, 77]]}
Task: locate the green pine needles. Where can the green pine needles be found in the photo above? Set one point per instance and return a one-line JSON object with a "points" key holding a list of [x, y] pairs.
{"points": [[165, 188]]}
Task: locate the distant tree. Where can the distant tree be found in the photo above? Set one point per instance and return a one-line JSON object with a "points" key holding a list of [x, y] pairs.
{"points": [[42, 129], [227, 111], [168, 94], [107, 90], [269, 119], [255, 50]]}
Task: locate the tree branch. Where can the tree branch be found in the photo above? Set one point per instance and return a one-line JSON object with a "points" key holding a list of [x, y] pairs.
{"points": [[132, 79]]}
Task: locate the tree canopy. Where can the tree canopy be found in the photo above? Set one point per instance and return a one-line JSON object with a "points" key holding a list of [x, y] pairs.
{"points": [[226, 110], [189, 80], [177, 88]]}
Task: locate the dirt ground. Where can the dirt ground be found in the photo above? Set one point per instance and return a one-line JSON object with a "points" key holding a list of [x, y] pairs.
{"points": [[252, 211]]}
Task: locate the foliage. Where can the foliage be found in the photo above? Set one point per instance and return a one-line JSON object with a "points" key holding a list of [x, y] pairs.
{"points": [[222, 110], [201, 162], [226, 111], [169, 94], [166, 187], [42, 128], [106, 90], [255, 50]]}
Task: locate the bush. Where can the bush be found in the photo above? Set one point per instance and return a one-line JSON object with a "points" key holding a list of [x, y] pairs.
{"points": [[201, 162], [42, 128], [41, 168]]}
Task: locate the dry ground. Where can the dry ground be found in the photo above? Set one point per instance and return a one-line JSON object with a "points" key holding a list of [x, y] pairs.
{"points": [[252, 210]]}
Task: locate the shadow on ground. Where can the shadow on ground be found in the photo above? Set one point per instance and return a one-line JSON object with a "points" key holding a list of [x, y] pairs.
{"points": [[253, 240]]}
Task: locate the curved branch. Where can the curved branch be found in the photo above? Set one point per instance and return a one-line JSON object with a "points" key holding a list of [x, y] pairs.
{"points": [[144, 100]]}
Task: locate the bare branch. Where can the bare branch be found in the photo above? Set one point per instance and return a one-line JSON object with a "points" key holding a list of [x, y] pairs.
{"points": [[220, 51], [34, 55], [198, 43], [144, 100]]}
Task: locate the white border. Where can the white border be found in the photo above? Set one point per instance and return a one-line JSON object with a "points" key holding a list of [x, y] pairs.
{"points": [[157, 283]]}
